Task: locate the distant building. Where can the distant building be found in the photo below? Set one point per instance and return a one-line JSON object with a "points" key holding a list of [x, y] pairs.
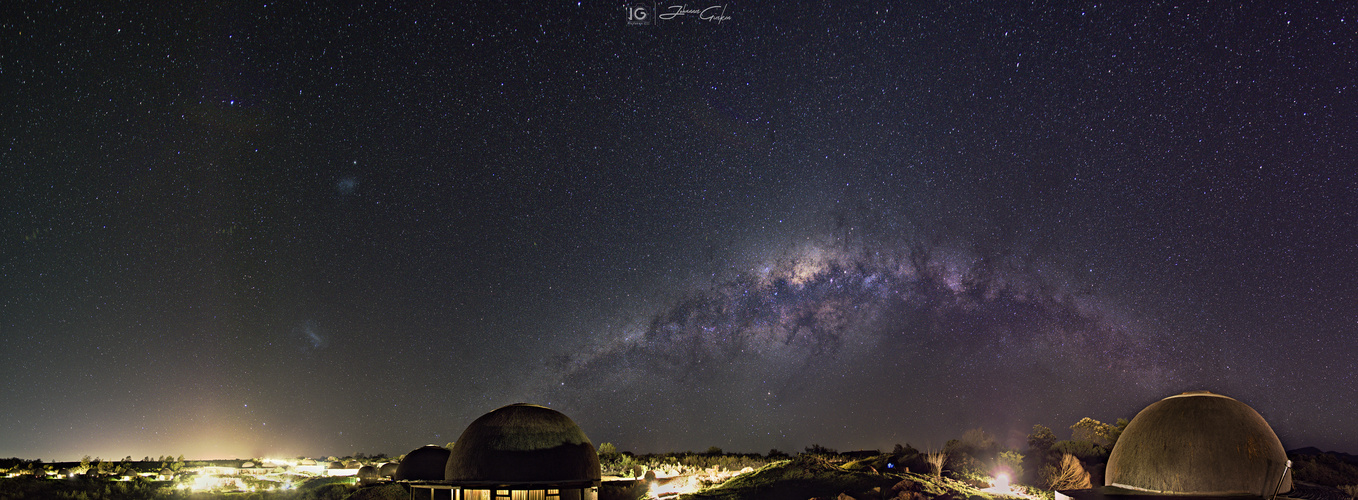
{"points": [[520, 451], [1195, 444]]}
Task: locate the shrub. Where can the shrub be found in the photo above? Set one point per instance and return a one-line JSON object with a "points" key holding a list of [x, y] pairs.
{"points": [[390, 491], [936, 460], [329, 492], [1068, 475], [1350, 489]]}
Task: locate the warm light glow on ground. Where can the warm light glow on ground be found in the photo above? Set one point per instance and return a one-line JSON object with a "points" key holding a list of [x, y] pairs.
{"points": [[671, 484], [673, 489], [1002, 487]]}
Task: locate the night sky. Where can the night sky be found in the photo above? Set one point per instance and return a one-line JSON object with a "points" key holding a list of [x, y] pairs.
{"points": [[257, 229]]}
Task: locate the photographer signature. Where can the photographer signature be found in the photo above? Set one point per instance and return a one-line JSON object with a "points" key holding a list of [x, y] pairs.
{"points": [[706, 14]]}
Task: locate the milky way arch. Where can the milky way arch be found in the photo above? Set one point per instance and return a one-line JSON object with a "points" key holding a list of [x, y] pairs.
{"points": [[907, 322]]}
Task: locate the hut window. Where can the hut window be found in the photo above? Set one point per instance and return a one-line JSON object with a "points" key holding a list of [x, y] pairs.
{"points": [[475, 494], [553, 494], [502, 494]]}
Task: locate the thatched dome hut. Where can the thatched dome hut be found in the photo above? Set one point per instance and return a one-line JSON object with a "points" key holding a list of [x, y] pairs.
{"points": [[388, 470], [523, 443], [367, 474], [1198, 443], [425, 463]]}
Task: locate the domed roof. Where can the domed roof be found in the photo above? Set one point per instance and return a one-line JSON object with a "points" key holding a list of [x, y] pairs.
{"points": [[423, 464], [389, 469], [1198, 443], [523, 443], [367, 473]]}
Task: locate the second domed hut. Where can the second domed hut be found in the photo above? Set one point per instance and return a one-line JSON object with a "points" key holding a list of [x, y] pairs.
{"points": [[425, 463], [388, 470]]}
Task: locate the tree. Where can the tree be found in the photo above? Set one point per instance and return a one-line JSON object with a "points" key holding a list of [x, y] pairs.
{"points": [[1094, 431], [1083, 450], [1040, 440], [1012, 461], [816, 449], [607, 449], [774, 454], [978, 441], [713, 450], [970, 454]]}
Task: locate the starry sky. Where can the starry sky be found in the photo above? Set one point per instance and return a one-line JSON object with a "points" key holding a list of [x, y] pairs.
{"points": [[245, 229]]}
